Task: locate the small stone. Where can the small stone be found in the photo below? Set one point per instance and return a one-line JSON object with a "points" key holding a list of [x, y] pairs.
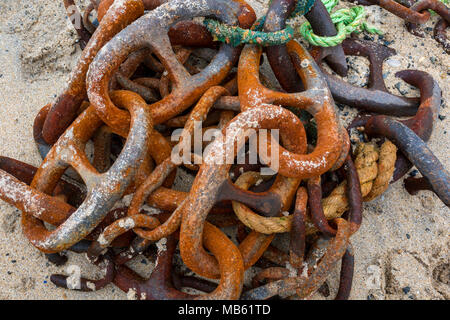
{"points": [[394, 63], [408, 236], [406, 290], [441, 117], [398, 87], [413, 173]]}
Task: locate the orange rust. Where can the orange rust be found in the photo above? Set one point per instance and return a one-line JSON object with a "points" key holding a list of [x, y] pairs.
{"points": [[103, 189], [64, 109], [151, 31], [316, 100]]}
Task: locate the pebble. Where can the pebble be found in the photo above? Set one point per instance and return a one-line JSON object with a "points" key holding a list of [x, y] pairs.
{"points": [[413, 173], [398, 87], [394, 63]]}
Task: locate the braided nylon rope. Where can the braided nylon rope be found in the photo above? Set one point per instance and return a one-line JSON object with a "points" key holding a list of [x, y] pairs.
{"points": [[375, 168], [237, 36], [346, 20]]}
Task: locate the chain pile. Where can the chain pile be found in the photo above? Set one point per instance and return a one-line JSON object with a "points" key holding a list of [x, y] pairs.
{"points": [[149, 70]]}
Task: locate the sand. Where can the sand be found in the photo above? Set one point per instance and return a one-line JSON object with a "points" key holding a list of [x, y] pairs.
{"points": [[401, 250]]}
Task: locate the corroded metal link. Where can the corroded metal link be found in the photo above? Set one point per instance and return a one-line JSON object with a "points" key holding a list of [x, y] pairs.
{"points": [[374, 98], [297, 243], [52, 210], [346, 277], [72, 192], [418, 13], [151, 31], [105, 5], [401, 11], [409, 135], [213, 174], [317, 274], [422, 122], [83, 32], [64, 109], [316, 209], [440, 34], [160, 285], [103, 189], [279, 59], [416, 151], [321, 24], [316, 100], [28, 200], [353, 194]]}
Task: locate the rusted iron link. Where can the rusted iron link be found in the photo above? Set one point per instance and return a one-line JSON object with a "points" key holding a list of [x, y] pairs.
{"points": [[316, 100], [440, 27], [103, 189], [346, 277], [51, 209], [104, 6], [416, 151], [212, 175], [64, 109], [353, 194], [416, 14], [440, 34], [376, 98], [422, 123], [297, 239], [414, 185], [321, 24], [160, 285], [319, 266], [400, 10], [74, 15], [151, 31], [66, 189], [279, 59], [417, 129]]}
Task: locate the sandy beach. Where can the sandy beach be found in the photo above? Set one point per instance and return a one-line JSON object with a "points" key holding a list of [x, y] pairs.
{"points": [[401, 249]]}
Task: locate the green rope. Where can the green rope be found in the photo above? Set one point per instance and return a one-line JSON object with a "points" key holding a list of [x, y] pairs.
{"points": [[237, 36], [347, 21]]}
